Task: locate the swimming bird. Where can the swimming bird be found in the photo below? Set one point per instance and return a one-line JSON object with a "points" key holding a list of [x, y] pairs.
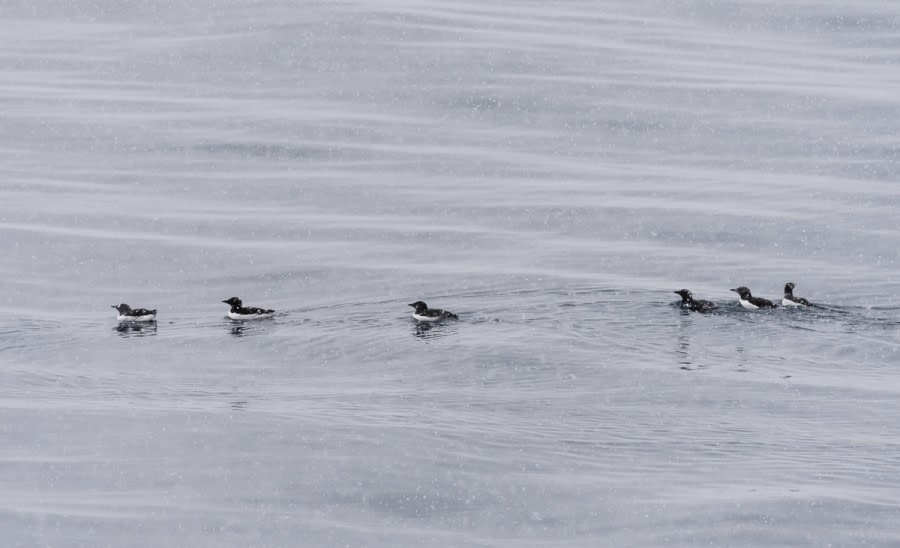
{"points": [[240, 312], [425, 314], [789, 298], [749, 301], [127, 314], [697, 305]]}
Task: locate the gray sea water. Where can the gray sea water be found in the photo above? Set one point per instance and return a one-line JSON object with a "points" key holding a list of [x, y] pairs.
{"points": [[550, 171]]}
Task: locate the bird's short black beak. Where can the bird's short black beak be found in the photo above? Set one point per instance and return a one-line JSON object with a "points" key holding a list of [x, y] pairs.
{"points": [[412, 305], [113, 306], [225, 301], [677, 292], [735, 290]]}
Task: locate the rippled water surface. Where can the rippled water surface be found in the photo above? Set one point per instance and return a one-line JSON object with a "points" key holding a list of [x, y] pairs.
{"points": [[551, 172]]}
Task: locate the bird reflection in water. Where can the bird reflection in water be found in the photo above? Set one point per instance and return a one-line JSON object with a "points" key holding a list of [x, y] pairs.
{"points": [[136, 329], [742, 359], [683, 351], [432, 330], [244, 328]]}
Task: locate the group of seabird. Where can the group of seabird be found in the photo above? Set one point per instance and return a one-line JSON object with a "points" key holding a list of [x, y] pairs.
{"points": [[422, 313], [745, 298], [238, 311]]}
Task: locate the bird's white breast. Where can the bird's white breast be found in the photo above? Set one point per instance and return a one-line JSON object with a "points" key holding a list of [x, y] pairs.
{"points": [[426, 318], [747, 304], [144, 318], [236, 316], [788, 302]]}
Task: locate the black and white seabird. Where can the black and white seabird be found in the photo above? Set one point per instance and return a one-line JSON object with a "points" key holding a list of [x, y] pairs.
{"points": [[749, 301], [698, 305], [240, 312], [789, 298], [127, 314], [425, 314]]}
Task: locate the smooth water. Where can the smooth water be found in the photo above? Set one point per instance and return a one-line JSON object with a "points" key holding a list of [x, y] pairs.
{"points": [[551, 172]]}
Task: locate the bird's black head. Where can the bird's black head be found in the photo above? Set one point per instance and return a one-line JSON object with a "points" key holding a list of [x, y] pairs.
{"points": [[789, 287], [419, 306], [743, 292], [685, 294], [234, 301], [122, 308]]}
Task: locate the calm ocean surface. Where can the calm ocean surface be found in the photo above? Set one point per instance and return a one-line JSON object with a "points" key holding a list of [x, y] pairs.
{"points": [[550, 171]]}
